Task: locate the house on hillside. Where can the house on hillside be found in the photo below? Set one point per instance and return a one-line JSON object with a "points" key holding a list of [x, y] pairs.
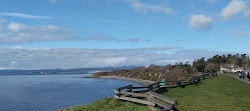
{"points": [[229, 69], [237, 69]]}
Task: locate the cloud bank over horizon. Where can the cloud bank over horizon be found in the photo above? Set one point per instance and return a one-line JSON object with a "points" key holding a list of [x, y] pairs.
{"points": [[47, 58]]}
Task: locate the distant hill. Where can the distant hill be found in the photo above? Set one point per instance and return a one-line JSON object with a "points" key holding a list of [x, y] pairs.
{"points": [[62, 71]]}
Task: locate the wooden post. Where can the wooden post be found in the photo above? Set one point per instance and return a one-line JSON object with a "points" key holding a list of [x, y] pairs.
{"points": [[152, 107], [136, 100], [161, 104], [130, 88], [158, 85], [117, 91], [134, 94], [153, 94], [198, 79], [118, 94], [150, 87], [178, 83]]}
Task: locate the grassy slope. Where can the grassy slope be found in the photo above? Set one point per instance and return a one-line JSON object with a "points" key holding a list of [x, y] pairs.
{"points": [[109, 104], [222, 93]]}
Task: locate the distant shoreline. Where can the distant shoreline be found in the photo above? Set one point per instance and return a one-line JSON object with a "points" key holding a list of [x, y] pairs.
{"points": [[139, 81]]}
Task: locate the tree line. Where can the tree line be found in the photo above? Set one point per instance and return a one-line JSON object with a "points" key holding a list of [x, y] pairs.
{"points": [[180, 71], [213, 64]]}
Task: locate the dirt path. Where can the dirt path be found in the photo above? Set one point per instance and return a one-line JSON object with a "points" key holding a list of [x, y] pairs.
{"points": [[236, 77]]}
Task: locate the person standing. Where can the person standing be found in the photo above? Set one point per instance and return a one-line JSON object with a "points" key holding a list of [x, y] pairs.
{"points": [[246, 73], [239, 74], [243, 76], [248, 76]]}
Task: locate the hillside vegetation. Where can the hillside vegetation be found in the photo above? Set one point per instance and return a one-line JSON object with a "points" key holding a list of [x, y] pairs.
{"points": [[181, 71], [154, 73]]}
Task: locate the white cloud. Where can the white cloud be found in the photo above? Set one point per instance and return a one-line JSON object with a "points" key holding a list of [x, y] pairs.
{"points": [[115, 61], [233, 8], [211, 1], [2, 22], [5, 68], [103, 20], [158, 48], [246, 14], [53, 1], [21, 15], [101, 37], [200, 22], [137, 40], [38, 58], [16, 26], [18, 33], [238, 33], [104, 38], [145, 8], [13, 64]]}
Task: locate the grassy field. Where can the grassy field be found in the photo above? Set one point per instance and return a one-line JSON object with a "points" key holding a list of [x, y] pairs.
{"points": [[222, 93]]}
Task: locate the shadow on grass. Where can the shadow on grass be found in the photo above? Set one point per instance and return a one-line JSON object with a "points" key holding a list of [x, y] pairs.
{"points": [[161, 90]]}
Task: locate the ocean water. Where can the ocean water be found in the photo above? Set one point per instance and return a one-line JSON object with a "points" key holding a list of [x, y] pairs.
{"points": [[48, 92]]}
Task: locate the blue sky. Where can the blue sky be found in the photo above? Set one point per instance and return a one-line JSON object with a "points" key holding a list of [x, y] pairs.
{"points": [[164, 28]]}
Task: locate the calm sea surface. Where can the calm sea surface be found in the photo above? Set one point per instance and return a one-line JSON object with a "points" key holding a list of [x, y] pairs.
{"points": [[47, 92]]}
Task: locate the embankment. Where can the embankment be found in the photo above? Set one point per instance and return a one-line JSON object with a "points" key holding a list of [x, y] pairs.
{"points": [[151, 74], [140, 81]]}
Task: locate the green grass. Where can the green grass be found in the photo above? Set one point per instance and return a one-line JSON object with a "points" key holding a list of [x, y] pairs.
{"points": [[109, 104], [222, 93]]}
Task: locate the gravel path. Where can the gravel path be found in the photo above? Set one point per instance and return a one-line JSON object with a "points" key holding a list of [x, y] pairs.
{"points": [[236, 77]]}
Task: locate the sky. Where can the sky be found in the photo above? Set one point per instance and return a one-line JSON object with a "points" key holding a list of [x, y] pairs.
{"points": [[46, 34]]}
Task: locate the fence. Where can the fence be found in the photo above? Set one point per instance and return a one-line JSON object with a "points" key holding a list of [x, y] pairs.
{"points": [[153, 100]]}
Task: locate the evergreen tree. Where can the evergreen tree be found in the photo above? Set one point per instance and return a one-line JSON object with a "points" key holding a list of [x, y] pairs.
{"points": [[200, 64]]}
